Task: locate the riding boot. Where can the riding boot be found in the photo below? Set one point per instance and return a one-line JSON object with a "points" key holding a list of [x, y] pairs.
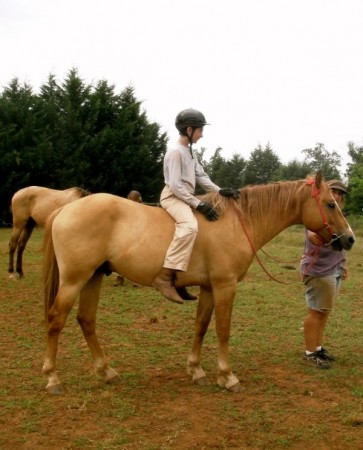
{"points": [[164, 283], [185, 295]]}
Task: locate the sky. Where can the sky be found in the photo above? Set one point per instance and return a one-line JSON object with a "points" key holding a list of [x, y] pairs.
{"points": [[281, 72]]}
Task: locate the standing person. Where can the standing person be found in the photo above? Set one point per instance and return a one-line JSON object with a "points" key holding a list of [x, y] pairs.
{"points": [[135, 196], [322, 270], [182, 172]]}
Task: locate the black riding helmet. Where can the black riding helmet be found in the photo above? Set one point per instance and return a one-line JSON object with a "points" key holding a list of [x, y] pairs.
{"points": [[190, 118]]}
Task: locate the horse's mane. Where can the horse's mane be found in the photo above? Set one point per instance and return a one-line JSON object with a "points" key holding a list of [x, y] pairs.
{"points": [[254, 199], [82, 192]]}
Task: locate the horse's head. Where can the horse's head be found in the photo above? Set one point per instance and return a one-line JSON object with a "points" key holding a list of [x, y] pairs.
{"points": [[323, 215]]}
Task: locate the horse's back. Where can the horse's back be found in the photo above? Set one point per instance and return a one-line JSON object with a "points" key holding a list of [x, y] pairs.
{"points": [[39, 202], [25, 201], [113, 214], [105, 227]]}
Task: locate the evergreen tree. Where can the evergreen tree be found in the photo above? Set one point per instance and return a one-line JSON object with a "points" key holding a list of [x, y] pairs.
{"points": [[18, 161], [225, 172], [319, 158], [354, 203], [261, 166], [293, 170], [74, 134]]}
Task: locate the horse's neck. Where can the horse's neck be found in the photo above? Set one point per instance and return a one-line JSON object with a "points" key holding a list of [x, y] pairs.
{"points": [[273, 216], [270, 229], [70, 195]]}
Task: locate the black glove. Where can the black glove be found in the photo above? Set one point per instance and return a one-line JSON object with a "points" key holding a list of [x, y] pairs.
{"points": [[229, 192], [208, 211]]}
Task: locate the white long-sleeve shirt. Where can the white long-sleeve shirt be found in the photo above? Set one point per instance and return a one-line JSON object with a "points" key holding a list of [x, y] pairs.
{"points": [[182, 172]]}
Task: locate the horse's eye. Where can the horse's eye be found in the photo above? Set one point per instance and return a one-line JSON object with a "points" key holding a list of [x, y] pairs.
{"points": [[331, 205]]}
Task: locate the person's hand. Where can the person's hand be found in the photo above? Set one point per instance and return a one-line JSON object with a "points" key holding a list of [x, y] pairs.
{"points": [[344, 274], [208, 211], [315, 239], [229, 192]]}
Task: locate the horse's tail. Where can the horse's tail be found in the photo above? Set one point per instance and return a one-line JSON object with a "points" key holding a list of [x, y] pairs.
{"points": [[50, 266]]}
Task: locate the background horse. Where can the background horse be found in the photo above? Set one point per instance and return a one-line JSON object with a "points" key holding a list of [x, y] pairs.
{"points": [[104, 233], [31, 207]]}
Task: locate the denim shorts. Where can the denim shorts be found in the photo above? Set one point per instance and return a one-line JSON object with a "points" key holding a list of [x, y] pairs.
{"points": [[321, 292]]}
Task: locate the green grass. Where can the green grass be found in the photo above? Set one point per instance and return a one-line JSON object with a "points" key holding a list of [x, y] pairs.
{"points": [[154, 405]]}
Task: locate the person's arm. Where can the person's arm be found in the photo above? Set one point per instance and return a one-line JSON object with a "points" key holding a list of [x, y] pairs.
{"points": [[203, 179], [314, 238]]}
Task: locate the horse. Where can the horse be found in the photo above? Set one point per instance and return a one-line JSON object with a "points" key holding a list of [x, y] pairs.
{"points": [[31, 207], [104, 233]]}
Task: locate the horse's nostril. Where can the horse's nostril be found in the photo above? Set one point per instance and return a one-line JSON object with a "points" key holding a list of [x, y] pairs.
{"points": [[351, 240]]}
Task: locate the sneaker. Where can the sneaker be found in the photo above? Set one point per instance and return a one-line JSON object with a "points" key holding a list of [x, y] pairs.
{"points": [[317, 361], [325, 355]]}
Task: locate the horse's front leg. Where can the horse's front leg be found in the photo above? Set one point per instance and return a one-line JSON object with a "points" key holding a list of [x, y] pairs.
{"points": [[86, 316], [204, 314], [223, 303]]}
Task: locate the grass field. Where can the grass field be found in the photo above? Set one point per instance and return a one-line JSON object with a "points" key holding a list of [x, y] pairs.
{"points": [[285, 405]]}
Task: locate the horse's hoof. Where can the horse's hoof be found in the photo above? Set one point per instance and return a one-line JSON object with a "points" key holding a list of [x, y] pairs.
{"points": [[236, 388], [111, 376], [203, 381], [56, 389], [113, 380], [12, 276]]}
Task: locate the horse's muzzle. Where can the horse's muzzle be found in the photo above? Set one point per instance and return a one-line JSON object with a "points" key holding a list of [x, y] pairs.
{"points": [[343, 242]]}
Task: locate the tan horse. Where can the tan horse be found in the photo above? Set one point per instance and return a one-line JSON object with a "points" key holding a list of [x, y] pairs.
{"points": [[104, 233], [31, 207]]}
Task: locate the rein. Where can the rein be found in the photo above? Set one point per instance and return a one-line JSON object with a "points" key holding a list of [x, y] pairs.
{"points": [[333, 237]]}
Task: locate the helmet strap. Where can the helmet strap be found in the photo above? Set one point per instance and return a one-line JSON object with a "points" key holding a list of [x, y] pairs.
{"points": [[191, 142]]}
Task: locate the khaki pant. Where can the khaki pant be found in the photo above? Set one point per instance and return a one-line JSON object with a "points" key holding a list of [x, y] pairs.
{"points": [[186, 229]]}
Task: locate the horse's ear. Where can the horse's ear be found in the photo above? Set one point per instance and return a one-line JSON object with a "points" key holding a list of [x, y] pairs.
{"points": [[318, 179]]}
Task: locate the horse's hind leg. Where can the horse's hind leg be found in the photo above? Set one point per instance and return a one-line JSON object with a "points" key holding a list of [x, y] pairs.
{"points": [[23, 240], [13, 243], [204, 314], [57, 317], [86, 317]]}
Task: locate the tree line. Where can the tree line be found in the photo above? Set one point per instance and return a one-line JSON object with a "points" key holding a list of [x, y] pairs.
{"points": [[75, 134]]}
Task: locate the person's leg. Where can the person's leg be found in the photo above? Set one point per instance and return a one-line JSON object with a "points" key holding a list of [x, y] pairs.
{"points": [[323, 320], [186, 228], [179, 251], [314, 325], [320, 296]]}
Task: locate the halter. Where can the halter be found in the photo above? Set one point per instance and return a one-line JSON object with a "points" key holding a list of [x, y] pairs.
{"points": [[315, 191]]}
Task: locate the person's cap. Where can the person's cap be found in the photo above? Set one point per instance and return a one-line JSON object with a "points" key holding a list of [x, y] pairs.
{"points": [[337, 184]]}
